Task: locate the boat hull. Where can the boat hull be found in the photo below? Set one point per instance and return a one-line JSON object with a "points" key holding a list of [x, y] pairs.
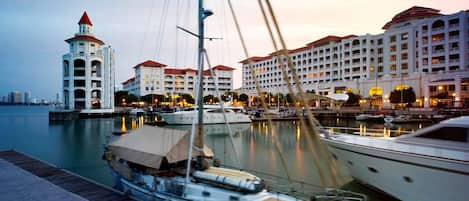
{"points": [[187, 118], [194, 191], [408, 177]]}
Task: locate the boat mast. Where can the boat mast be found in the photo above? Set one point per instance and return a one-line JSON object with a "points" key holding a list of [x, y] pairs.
{"points": [[200, 65]]}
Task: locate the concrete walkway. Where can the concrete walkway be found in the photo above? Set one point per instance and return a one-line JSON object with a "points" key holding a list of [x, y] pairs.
{"points": [[18, 184]]}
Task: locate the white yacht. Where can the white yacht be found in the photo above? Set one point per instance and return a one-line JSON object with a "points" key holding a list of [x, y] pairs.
{"points": [[397, 119], [431, 164], [369, 117], [212, 114]]}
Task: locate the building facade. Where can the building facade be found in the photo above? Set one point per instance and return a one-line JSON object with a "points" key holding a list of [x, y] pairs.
{"points": [[152, 77], [88, 72], [420, 48], [15, 97]]}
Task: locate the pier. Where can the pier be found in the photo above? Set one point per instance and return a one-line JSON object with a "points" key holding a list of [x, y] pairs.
{"points": [[25, 178]]}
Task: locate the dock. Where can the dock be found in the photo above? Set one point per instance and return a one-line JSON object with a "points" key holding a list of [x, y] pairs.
{"points": [[25, 178]]}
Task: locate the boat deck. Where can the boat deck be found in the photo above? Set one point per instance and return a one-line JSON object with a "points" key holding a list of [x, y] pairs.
{"points": [[25, 178]]}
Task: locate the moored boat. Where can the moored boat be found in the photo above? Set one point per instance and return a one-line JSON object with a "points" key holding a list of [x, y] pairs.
{"points": [[369, 117], [212, 114], [431, 164]]}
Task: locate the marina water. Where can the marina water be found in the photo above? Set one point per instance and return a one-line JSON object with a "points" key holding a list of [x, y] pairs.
{"points": [[78, 145]]}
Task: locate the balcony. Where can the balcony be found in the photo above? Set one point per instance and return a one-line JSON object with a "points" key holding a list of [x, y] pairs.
{"points": [[453, 26], [453, 61], [453, 38], [441, 51], [454, 50], [438, 29]]}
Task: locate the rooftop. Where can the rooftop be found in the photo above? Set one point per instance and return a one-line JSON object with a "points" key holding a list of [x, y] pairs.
{"points": [[416, 12], [85, 19]]}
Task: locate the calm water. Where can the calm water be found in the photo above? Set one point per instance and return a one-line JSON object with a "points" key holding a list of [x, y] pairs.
{"points": [[77, 145]]}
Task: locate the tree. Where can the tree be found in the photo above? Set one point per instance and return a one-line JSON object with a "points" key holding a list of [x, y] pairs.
{"points": [[289, 98], [131, 98], [207, 98], [403, 96], [188, 98], [243, 98], [119, 97], [353, 99]]}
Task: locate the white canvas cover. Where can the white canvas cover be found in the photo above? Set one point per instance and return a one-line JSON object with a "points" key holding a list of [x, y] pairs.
{"points": [[149, 145]]}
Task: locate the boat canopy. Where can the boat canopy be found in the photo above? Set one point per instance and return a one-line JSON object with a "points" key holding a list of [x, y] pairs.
{"points": [[149, 146]]}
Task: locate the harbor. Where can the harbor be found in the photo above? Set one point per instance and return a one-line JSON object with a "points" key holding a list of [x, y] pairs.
{"points": [[185, 106], [77, 145]]}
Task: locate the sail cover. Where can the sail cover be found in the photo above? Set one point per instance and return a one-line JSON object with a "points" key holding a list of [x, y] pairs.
{"points": [[149, 145]]}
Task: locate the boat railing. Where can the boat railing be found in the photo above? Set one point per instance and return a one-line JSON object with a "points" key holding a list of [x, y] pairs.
{"points": [[287, 186], [363, 131]]}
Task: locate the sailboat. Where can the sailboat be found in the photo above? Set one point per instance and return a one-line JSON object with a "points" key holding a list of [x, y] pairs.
{"points": [[157, 163]]}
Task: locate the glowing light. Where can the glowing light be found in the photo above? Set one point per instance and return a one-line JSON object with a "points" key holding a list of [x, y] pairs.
{"points": [[123, 127], [440, 87], [375, 91], [402, 87]]}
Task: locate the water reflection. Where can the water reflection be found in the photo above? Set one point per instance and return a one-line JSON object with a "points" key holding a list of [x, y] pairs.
{"points": [[77, 145]]}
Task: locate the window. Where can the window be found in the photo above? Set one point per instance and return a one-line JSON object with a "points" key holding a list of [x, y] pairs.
{"points": [[81, 44], [404, 46], [404, 36], [392, 39], [456, 134]]}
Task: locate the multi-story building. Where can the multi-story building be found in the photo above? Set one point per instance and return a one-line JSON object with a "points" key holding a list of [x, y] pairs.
{"points": [[27, 97], [152, 77], [15, 97], [420, 48], [88, 72]]}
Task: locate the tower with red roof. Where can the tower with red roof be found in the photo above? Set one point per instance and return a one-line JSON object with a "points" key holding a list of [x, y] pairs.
{"points": [[88, 72]]}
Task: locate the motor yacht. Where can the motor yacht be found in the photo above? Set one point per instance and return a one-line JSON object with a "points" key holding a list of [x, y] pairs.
{"points": [[431, 164], [212, 114]]}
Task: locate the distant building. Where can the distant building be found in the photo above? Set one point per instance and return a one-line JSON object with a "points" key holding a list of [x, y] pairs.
{"points": [[27, 97], [15, 97], [155, 78], [419, 48], [88, 72], [57, 98]]}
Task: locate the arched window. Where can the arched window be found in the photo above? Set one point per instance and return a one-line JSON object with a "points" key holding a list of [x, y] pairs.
{"points": [[438, 24], [96, 94], [79, 67], [96, 68]]}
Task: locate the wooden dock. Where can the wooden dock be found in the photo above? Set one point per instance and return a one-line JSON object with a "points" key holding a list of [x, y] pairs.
{"points": [[66, 180]]}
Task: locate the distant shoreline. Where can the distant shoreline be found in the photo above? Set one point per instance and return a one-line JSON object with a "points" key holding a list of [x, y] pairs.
{"points": [[23, 104]]}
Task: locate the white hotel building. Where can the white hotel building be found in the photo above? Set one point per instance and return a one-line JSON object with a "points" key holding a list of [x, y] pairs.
{"points": [[88, 72], [420, 48], [152, 77]]}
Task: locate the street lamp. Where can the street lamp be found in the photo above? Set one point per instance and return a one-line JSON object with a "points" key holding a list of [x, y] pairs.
{"points": [[123, 101]]}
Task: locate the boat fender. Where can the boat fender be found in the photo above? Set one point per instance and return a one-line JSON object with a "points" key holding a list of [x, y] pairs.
{"points": [[107, 156], [216, 162]]}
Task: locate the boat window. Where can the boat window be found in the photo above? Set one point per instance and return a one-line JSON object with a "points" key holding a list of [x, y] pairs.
{"points": [[234, 198], [206, 194], [457, 134], [216, 111]]}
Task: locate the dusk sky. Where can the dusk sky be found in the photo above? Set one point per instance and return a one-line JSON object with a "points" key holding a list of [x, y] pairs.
{"points": [[32, 32]]}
